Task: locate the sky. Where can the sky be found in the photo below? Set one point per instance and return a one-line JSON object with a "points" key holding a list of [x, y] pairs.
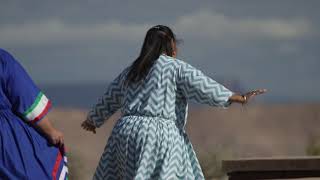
{"points": [[271, 44]]}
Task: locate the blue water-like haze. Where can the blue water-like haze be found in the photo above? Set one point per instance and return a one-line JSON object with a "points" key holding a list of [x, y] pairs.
{"points": [[85, 95]]}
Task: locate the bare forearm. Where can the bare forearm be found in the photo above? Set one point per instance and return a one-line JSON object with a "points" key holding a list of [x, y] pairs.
{"points": [[45, 126], [54, 136], [237, 98]]}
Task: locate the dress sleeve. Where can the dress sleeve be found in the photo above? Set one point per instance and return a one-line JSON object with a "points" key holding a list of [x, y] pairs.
{"points": [[25, 97], [109, 102], [198, 87]]}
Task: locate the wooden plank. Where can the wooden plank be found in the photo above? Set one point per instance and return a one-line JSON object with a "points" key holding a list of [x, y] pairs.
{"points": [[311, 163], [256, 175], [272, 168]]}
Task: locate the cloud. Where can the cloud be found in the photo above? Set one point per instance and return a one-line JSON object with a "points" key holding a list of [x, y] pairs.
{"points": [[202, 24], [54, 31], [212, 25]]}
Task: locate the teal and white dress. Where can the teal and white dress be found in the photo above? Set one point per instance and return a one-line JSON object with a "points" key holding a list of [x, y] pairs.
{"points": [[149, 141]]}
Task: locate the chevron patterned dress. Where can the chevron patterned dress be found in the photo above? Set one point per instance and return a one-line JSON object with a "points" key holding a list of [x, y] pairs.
{"points": [[149, 141]]}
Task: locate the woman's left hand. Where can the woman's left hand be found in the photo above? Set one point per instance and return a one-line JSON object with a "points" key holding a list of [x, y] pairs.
{"points": [[86, 125], [253, 93], [56, 137]]}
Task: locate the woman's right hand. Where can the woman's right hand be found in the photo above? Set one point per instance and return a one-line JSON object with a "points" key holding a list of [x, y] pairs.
{"points": [[86, 125]]}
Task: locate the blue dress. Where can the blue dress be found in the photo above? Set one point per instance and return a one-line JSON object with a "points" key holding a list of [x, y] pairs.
{"points": [[149, 141], [24, 152]]}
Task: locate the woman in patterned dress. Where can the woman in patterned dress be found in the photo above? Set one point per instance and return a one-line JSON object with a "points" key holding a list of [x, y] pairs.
{"points": [[149, 141], [30, 147]]}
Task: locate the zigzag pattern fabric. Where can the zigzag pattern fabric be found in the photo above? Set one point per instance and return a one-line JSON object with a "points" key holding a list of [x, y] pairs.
{"points": [[149, 141]]}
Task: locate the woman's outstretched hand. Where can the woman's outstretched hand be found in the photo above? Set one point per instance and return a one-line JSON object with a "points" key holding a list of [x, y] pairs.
{"points": [[86, 125], [247, 96]]}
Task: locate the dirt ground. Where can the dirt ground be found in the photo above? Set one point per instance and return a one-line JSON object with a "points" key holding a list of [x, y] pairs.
{"points": [[255, 130]]}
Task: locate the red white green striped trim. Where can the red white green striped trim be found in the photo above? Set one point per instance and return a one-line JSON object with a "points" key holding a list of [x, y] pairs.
{"points": [[56, 166], [64, 171], [38, 109]]}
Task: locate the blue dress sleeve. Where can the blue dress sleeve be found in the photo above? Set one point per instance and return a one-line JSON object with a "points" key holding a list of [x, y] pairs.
{"points": [[196, 86], [25, 97], [109, 102]]}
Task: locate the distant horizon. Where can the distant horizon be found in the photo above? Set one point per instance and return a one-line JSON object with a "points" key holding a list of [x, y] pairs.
{"points": [[84, 95]]}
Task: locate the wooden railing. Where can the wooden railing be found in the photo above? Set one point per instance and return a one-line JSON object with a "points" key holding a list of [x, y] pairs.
{"points": [[272, 168]]}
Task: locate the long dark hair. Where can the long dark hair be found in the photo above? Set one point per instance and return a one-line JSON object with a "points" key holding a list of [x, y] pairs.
{"points": [[159, 39]]}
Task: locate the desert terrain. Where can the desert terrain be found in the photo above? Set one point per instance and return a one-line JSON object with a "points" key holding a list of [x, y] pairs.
{"points": [[239, 131]]}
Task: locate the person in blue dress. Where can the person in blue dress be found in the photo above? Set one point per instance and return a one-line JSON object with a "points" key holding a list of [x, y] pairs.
{"points": [[149, 141], [30, 147]]}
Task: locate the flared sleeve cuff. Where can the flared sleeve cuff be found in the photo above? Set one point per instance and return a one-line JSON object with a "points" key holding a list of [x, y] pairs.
{"points": [[225, 102], [38, 110]]}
